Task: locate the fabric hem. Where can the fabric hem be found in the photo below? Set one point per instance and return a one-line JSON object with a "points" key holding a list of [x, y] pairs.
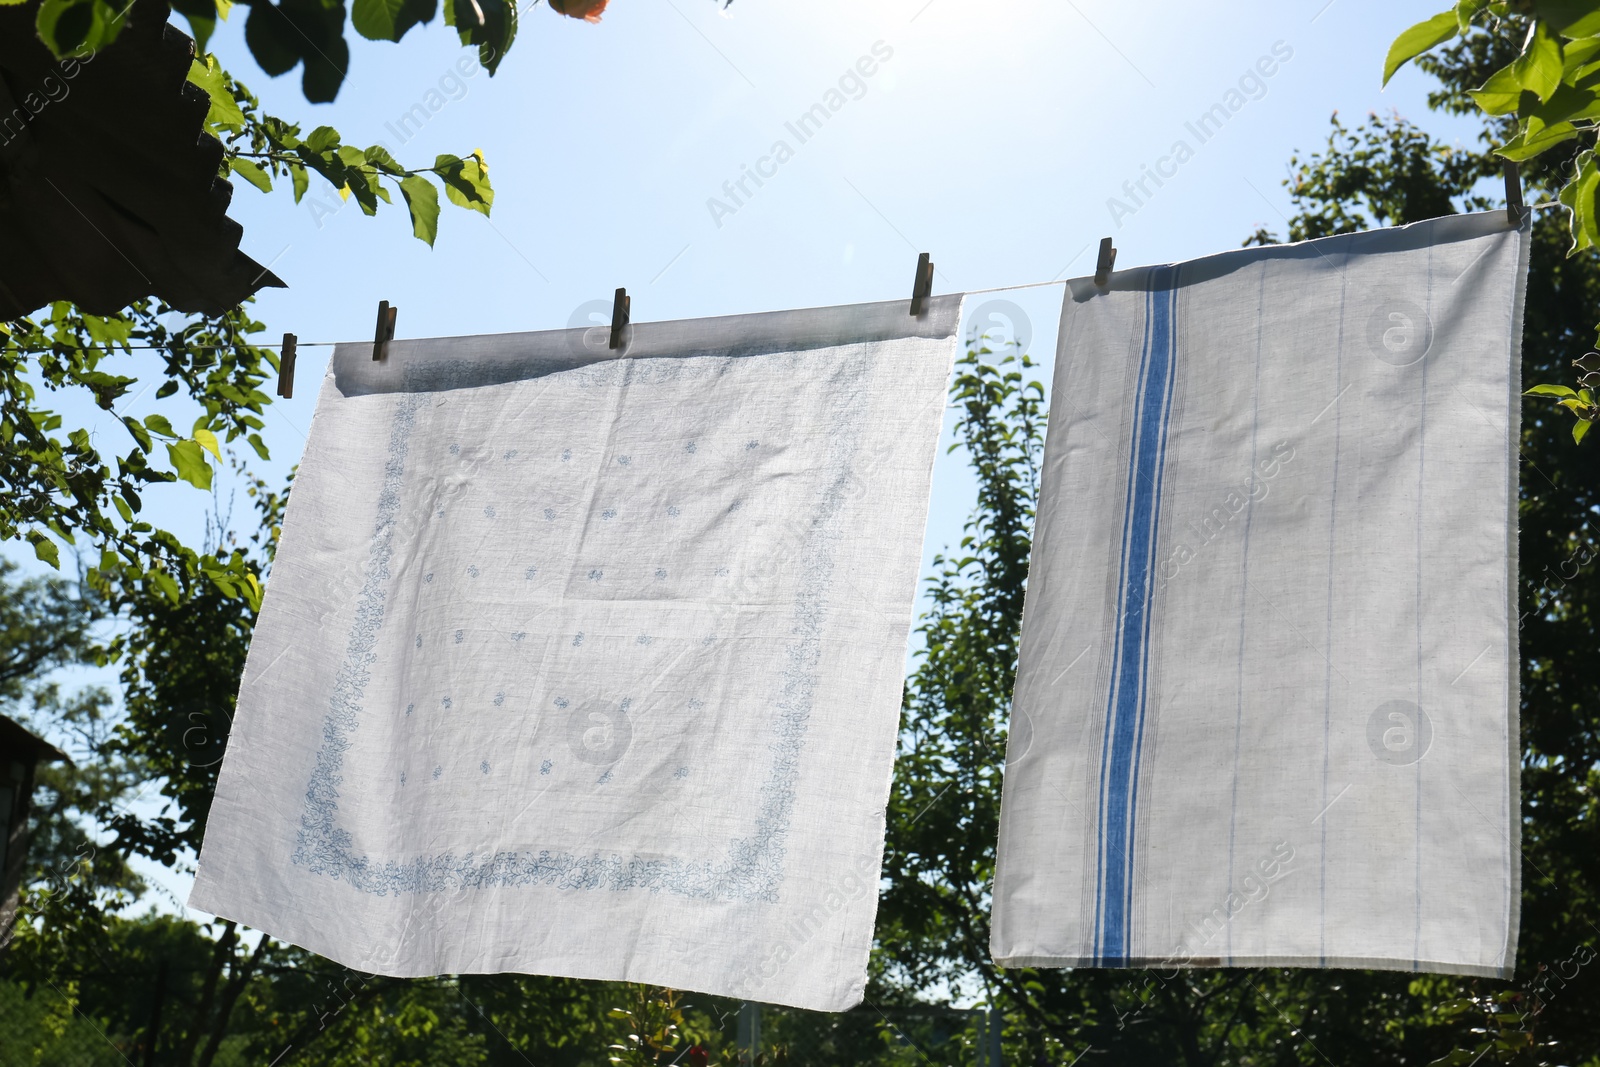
{"points": [[1361, 963]]}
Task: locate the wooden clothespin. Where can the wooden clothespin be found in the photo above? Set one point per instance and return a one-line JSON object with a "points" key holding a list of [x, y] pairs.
{"points": [[286, 367], [384, 332], [1516, 211], [921, 286], [621, 309], [1107, 261]]}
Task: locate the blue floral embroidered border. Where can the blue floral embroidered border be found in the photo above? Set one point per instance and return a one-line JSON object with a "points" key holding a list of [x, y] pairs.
{"points": [[751, 868]]}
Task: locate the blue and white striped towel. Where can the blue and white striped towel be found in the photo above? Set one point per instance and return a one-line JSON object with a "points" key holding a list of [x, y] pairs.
{"points": [[1266, 710]]}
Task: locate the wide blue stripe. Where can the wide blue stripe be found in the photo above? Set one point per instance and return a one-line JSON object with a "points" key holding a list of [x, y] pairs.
{"points": [[1125, 700], [1171, 299], [1116, 651]]}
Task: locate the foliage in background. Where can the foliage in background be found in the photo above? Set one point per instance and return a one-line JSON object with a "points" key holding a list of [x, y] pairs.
{"points": [[308, 34], [181, 615], [87, 492], [143, 982], [1540, 101], [281, 36], [942, 818], [69, 486], [932, 922], [943, 810]]}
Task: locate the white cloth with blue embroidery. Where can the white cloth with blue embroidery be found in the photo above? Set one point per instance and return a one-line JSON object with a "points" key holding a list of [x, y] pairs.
{"points": [[587, 663], [1266, 710]]}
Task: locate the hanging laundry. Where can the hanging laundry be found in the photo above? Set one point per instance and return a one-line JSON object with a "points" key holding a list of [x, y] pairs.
{"points": [[588, 663], [1266, 710]]}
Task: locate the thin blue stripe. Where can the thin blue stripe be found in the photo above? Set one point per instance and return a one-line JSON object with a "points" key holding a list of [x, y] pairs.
{"points": [[1127, 691]]}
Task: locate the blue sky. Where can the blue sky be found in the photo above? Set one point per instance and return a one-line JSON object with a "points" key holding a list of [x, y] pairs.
{"points": [[992, 135]]}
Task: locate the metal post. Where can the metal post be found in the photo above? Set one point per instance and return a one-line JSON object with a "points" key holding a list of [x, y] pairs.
{"points": [[749, 1032], [996, 1023]]}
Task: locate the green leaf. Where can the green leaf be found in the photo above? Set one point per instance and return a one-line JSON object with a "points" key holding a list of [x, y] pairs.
{"points": [[423, 201], [1417, 40], [75, 26], [322, 138], [1569, 18], [189, 460], [466, 181], [1528, 144], [1465, 10], [327, 60], [45, 549], [1586, 76], [1501, 94], [379, 157], [377, 20], [272, 39], [1580, 429], [208, 441], [201, 27], [1578, 197], [140, 434], [1550, 390], [163, 582], [64, 25], [364, 187], [298, 176], [252, 174], [1539, 66], [224, 111], [1576, 56], [1566, 105], [388, 20], [159, 424]]}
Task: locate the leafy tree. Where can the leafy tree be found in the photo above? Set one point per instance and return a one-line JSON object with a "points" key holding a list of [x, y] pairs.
{"points": [[181, 616], [259, 147], [1542, 100], [308, 34], [44, 624], [943, 814], [58, 486], [281, 36], [189, 622]]}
